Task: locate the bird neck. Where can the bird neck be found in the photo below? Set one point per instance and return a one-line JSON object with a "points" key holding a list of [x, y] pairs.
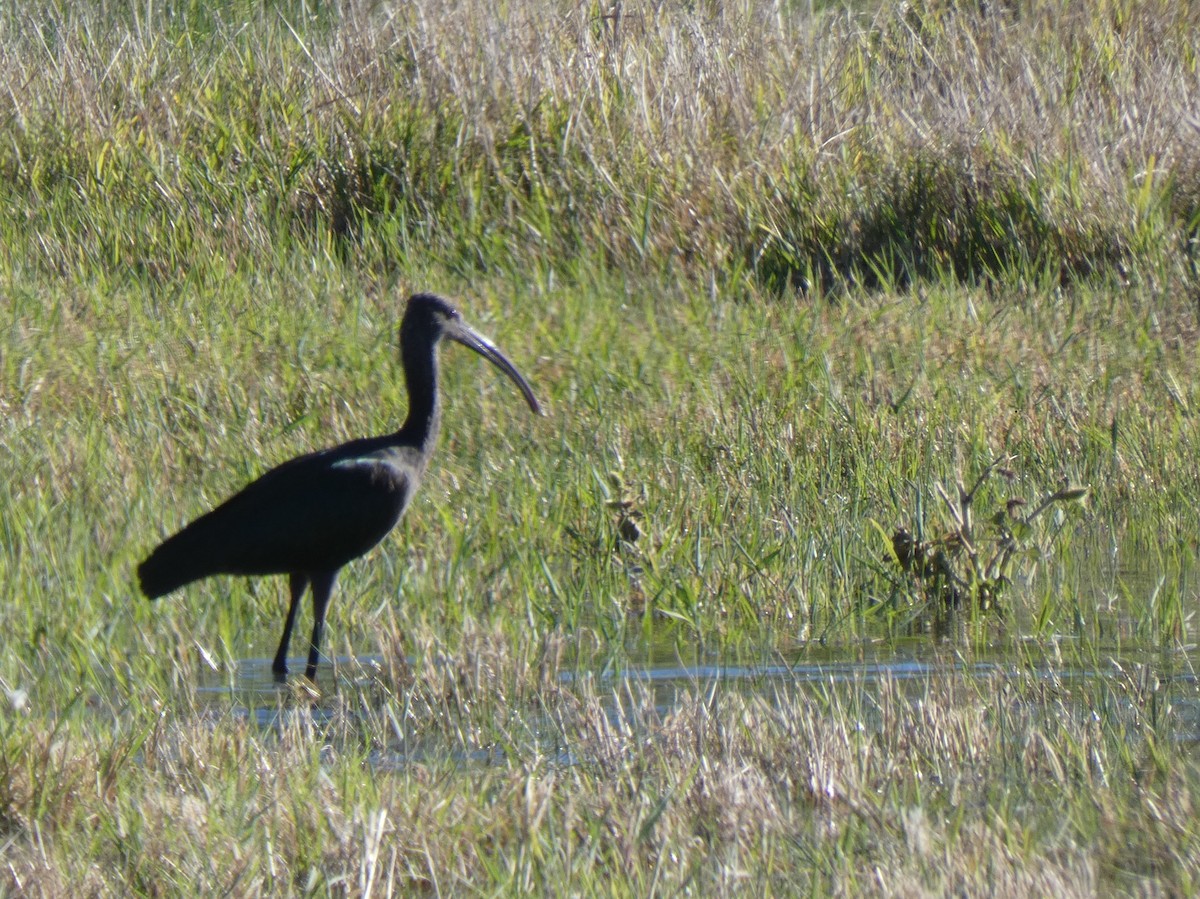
{"points": [[421, 378]]}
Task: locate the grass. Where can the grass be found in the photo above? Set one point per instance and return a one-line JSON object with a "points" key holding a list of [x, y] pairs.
{"points": [[777, 274], [1006, 783]]}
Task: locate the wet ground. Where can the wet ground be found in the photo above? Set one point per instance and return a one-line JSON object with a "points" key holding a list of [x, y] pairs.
{"points": [[653, 686]]}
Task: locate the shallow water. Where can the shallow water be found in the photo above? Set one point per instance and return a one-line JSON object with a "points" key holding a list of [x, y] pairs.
{"points": [[1108, 655], [651, 688]]}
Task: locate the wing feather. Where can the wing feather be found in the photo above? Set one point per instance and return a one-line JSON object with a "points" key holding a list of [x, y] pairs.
{"points": [[314, 513]]}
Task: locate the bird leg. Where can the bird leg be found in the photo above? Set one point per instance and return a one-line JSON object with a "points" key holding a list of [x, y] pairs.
{"points": [[296, 582], [322, 585]]}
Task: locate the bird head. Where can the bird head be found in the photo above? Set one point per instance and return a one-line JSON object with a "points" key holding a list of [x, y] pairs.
{"points": [[429, 318]]}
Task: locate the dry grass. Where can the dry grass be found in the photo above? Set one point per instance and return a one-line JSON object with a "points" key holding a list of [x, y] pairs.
{"points": [[1008, 784], [994, 139]]}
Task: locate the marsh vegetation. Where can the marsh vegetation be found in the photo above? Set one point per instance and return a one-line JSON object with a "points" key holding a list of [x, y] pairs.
{"points": [[784, 276]]}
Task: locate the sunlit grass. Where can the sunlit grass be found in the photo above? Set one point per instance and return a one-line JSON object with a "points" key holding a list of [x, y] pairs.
{"points": [[776, 278], [999, 783]]}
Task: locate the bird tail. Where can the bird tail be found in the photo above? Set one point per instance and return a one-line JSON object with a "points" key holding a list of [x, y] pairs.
{"points": [[169, 567]]}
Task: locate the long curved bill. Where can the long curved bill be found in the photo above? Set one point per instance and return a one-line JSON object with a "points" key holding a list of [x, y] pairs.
{"points": [[468, 337]]}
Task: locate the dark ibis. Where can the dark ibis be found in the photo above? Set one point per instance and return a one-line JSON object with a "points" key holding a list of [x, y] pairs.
{"points": [[310, 516]]}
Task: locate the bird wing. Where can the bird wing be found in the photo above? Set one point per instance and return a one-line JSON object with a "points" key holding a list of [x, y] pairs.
{"points": [[314, 513]]}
